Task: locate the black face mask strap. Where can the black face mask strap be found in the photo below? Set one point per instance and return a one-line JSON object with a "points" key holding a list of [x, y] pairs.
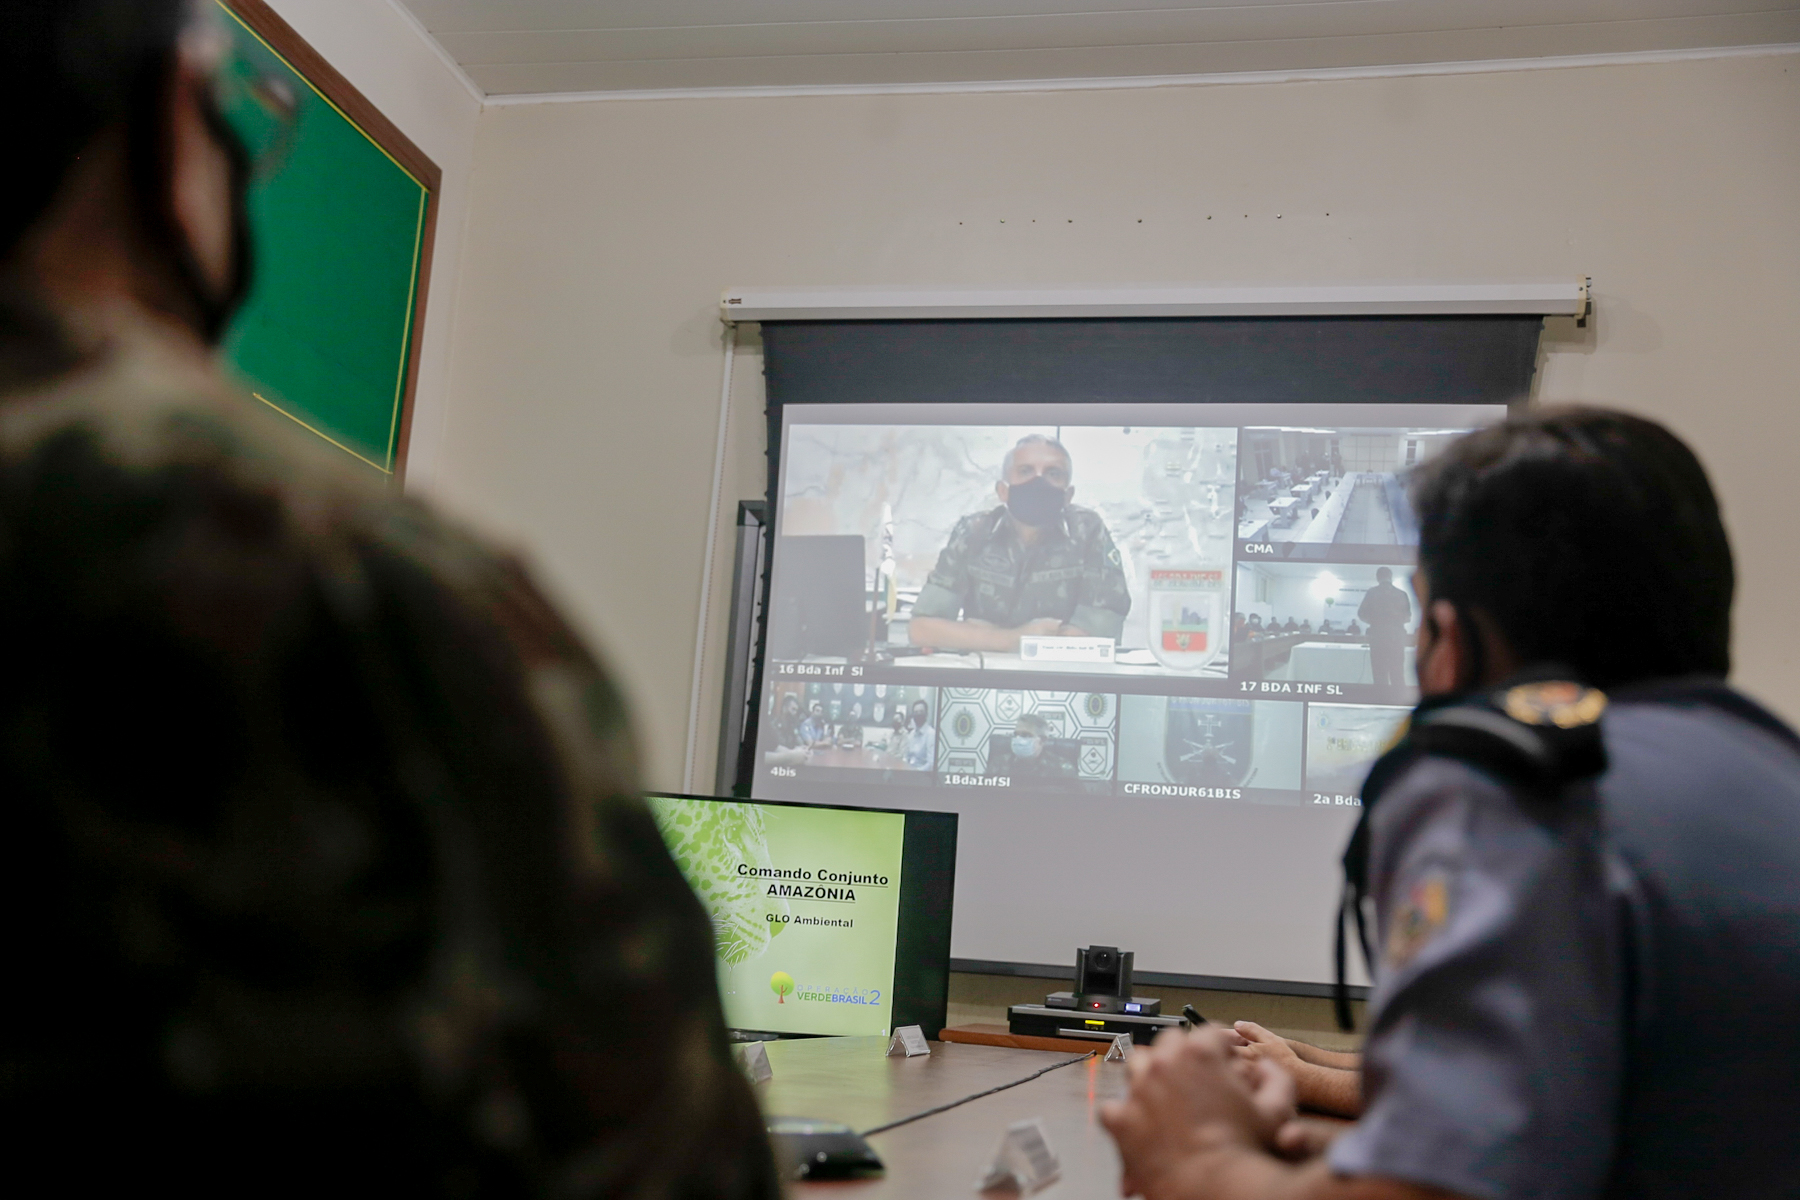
{"points": [[1477, 652], [1340, 991], [1350, 907], [151, 160], [1477, 647], [1356, 876], [243, 260]]}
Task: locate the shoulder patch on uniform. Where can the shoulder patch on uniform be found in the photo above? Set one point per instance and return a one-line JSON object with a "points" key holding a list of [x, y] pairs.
{"points": [[1560, 703], [1419, 917]]}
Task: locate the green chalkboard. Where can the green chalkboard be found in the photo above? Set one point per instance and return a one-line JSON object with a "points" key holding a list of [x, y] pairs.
{"points": [[339, 209]]}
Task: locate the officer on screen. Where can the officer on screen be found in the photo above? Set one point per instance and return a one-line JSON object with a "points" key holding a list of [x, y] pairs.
{"points": [[1029, 753], [918, 747], [1586, 947], [1036, 565], [1387, 610], [816, 731]]}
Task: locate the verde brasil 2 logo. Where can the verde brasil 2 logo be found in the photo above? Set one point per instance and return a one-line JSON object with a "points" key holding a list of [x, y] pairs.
{"points": [[783, 985]]}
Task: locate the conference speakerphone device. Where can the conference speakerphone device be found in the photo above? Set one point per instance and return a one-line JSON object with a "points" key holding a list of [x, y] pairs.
{"points": [[1145, 1006], [1100, 1007], [1040, 1020]]}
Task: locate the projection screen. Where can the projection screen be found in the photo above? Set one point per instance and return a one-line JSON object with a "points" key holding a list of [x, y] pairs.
{"points": [[1144, 643]]}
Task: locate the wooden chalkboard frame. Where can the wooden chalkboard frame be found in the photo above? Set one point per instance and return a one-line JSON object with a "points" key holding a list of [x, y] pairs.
{"points": [[282, 38]]}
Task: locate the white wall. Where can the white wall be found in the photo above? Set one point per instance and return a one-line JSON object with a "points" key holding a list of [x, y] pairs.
{"points": [[1371, 452], [1293, 597], [389, 59], [587, 347]]}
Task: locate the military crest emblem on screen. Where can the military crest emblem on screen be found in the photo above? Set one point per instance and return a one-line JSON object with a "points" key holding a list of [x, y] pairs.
{"points": [[1187, 617]]}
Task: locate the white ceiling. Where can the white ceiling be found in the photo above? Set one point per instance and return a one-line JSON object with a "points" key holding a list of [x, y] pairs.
{"points": [[528, 46]]}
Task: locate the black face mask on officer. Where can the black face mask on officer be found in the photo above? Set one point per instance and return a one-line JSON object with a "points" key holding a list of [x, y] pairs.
{"points": [[1035, 501], [214, 303], [91, 65]]}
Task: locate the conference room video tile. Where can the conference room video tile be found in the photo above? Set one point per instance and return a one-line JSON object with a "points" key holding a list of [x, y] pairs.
{"points": [[821, 729], [1330, 493], [1205, 748], [1325, 630], [1342, 743], [1068, 551], [1027, 741]]}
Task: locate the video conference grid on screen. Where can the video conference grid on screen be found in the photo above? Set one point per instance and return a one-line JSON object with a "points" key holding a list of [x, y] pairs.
{"points": [[1200, 601]]}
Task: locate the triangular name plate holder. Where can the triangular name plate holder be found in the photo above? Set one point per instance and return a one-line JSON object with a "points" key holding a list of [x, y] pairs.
{"points": [[1120, 1050], [1024, 1162], [908, 1040], [754, 1060]]}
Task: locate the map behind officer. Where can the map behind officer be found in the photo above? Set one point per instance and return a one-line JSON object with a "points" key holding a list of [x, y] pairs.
{"points": [[1036, 565], [1551, 958], [327, 865], [1386, 611]]}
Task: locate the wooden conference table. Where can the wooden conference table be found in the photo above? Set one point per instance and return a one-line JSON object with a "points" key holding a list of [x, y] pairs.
{"points": [[867, 757], [847, 1079]]}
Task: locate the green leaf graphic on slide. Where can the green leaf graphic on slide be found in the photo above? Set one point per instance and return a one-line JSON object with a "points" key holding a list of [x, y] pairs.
{"points": [[709, 840]]}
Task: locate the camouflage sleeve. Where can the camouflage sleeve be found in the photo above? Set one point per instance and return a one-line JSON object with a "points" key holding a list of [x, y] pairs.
{"points": [[947, 587], [1105, 599], [405, 782], [619, 942], [690, 1124]]}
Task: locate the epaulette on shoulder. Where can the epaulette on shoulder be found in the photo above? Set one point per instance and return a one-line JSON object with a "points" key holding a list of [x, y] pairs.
{"points": [[1541, 735]]}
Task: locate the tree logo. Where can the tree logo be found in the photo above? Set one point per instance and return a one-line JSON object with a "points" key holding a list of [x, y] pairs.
{"points": [[781, 983]]}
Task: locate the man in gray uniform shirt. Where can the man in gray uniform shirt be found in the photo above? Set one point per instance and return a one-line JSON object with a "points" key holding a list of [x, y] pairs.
{"points": [[1580, 990]]}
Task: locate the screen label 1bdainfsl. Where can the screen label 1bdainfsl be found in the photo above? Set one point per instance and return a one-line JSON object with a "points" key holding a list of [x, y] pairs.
{"points": [[805, 907]]}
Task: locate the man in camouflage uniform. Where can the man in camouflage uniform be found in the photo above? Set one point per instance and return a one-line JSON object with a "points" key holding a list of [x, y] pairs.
{"points": [[325, 839], [1036, 565]]}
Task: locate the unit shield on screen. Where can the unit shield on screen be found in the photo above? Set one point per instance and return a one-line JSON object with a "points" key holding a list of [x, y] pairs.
{"points": [[1190, 601]]}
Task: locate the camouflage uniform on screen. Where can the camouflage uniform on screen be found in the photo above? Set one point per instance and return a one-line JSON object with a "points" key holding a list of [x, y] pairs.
{"points": [[328, 827], [1073, 574]]}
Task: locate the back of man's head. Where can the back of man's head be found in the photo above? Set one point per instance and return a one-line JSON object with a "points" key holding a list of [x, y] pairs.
{"points": [[126, 186], [1588, 538], [83, 64]]}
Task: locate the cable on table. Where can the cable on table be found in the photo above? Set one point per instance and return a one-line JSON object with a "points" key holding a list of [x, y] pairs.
{"points": [[1067, 1062]]}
